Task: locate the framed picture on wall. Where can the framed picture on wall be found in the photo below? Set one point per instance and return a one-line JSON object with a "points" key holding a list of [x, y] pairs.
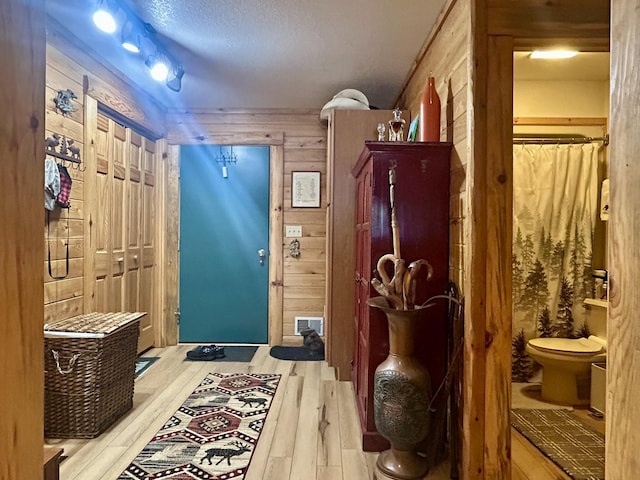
{"points": [[305, 189]]}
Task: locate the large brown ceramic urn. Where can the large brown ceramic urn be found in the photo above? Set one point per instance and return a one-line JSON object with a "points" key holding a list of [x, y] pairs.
{"points": [[402, 392]]}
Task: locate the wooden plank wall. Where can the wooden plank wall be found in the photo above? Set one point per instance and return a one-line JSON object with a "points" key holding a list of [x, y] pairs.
{"points": [[69, 66], [64, 298], [447, 55], [623, 362], [302, 280], [22, 36]]}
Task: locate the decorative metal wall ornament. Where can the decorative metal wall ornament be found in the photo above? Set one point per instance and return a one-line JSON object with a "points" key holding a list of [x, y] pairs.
{"points": [[62, 101], [294, 248]]}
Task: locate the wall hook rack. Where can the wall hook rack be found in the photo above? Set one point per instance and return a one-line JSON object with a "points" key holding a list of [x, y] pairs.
{"points": [[63, 148]]}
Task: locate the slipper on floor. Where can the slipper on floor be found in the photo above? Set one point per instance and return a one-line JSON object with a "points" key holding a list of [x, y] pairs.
{"points": [[206, 353]]}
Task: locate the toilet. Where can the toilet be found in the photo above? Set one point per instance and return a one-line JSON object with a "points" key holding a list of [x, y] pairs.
{"points": [[566, 366]]}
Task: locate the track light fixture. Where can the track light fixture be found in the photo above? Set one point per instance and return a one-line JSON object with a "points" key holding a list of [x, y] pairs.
{"points": [[139, 38]]}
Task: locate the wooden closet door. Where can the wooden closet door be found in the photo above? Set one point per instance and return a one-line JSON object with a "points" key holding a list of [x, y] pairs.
{"points": [[108, 226], [146, 296], [124, 226]]}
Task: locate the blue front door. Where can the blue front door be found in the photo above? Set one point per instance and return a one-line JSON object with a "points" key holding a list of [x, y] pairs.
{"points": [[224, 228]]}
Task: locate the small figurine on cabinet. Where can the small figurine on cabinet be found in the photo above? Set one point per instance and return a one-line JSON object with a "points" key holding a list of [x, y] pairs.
{"points": [[396, 127]]}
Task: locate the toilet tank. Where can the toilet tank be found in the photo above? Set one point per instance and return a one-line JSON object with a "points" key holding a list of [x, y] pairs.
{"points": [[596, 318]]}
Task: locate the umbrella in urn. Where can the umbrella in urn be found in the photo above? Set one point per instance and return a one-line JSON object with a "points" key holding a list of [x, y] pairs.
{"points": [[400, 290], [402, 386]]}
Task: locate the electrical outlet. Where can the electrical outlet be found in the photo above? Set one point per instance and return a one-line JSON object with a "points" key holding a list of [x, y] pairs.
{"points": [[293, 230]]}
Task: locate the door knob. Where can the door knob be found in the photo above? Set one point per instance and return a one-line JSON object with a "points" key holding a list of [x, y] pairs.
{"points": [[261, 255]]}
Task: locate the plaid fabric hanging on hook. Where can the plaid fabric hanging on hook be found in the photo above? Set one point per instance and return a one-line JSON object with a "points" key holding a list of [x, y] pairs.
{"points": [[65, 187]]}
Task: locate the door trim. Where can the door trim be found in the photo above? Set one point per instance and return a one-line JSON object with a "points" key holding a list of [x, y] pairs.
{"points": [[275, 142]]}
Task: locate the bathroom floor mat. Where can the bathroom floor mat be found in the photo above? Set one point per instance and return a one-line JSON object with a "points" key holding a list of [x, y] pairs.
{"points": [[571, 444]]}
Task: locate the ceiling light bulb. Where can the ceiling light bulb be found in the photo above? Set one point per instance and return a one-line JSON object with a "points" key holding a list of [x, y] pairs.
{"points": [[159, 68], [104, 21], [130, 46], [553, 54], [131, 37], [105, 16], [159, 72]]}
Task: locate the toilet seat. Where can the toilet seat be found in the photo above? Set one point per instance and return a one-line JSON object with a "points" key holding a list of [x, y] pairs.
{"points": [[573, 346]]}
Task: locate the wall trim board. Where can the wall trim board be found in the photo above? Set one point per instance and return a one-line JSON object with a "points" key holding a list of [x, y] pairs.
{"points": [[623, 328], [248, 138], [22, 130], [287, 112], [276, 254], [595, 44], [90, 187], [499, 219], [569, 19], [167, 331], [475, 264], [123, 120]]}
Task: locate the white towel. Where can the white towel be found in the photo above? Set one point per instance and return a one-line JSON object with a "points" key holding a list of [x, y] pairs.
{"points": [[604, 200], [51, 183]]}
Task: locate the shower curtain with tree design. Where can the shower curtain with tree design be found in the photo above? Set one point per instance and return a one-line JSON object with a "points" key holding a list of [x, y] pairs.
{"points": [[555, 190]]}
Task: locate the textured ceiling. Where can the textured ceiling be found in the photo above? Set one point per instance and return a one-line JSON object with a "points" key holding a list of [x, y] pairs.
{"points": [[269, 53]]}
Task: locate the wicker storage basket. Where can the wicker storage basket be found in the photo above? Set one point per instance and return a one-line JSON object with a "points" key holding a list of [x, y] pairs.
{"points": [[89, 372]]}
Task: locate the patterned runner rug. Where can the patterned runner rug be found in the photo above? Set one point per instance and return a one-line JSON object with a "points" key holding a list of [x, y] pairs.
{"points": [[571, 444], [213, 434]]}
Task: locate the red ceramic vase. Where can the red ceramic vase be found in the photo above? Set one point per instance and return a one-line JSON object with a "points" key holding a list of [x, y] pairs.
{"points": [[430, 113]]}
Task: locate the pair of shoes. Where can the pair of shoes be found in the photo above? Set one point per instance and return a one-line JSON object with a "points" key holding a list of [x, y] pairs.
{"points": [[206, 353]]}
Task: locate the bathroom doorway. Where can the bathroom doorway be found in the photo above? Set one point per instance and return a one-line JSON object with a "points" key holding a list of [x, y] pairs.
{"points": [[559, 237]]}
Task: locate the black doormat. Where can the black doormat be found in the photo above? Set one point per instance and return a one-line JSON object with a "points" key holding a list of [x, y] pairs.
{"points": [[240, 353], [297, 354], [570, 443]]}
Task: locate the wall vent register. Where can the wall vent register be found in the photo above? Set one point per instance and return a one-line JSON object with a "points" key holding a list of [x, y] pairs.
{"points": [[316, 323]]}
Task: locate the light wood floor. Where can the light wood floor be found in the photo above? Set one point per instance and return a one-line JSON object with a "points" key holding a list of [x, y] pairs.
{"points": [[311, 432]]}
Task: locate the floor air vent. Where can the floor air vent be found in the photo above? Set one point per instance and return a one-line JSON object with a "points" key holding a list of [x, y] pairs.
{"points": [[317, 323]]}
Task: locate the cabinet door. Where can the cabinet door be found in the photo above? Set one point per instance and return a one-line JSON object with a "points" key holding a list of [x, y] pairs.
{"points": [[361, 372]]}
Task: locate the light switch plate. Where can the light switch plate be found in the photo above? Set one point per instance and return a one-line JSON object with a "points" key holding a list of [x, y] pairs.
{"points": [[293, 230]]}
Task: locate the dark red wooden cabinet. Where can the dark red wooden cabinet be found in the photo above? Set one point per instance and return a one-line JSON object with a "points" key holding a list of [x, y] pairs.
{"points": [[422, 206]]}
